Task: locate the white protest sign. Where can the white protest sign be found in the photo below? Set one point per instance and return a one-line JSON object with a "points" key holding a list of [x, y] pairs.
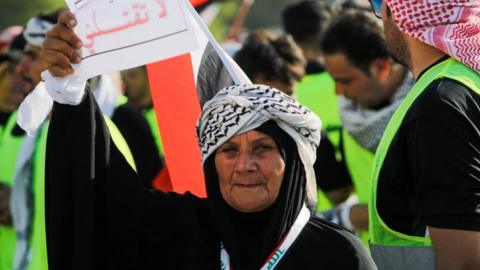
{"points": [[122, 34]]}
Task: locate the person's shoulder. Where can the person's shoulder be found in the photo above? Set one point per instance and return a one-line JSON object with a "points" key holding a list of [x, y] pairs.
{"points": [[446, 94], [338, 237], [129, 114], [333, 247], [448, 89], [126, 109]]}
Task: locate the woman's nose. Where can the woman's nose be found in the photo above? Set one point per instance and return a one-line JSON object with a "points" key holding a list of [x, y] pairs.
{"points": [[245, 163]]}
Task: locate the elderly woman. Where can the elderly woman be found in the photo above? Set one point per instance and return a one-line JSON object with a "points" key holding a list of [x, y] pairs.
{"points": [[258, 147]]}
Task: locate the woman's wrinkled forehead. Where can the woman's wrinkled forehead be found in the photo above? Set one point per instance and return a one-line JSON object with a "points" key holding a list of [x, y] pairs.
{"points": [[249, 137]]}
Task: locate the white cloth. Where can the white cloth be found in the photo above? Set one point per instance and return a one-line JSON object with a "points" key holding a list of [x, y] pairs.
{"points": [[36, 31], [238, 109], [107, 95], [34, 109], [38, 104]]}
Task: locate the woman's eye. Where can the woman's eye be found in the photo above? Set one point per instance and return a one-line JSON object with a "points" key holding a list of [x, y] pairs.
{"points": [[229, 151], [262, 148]]}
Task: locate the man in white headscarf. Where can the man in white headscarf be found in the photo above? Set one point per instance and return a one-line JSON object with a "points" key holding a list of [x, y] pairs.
{"points": [[425, 204]]}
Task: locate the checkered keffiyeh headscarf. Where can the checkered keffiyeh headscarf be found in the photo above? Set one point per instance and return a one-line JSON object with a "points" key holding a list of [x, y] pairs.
{"points": [[36, 31], [452, 26], [238, 109]]}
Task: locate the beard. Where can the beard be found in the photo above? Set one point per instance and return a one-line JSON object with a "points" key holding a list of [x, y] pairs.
{"points": [[396, 42]]}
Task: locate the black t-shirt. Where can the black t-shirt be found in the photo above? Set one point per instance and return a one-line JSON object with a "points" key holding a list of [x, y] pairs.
{"points": [[331, 174], [139, 138], [4, 117], [431, 174]]}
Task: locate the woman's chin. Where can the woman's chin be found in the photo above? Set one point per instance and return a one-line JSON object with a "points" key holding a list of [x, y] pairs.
{"points": [[249, 206]]}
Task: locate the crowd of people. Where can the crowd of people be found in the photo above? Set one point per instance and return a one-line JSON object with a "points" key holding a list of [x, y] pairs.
{"points": [[357, 146]]}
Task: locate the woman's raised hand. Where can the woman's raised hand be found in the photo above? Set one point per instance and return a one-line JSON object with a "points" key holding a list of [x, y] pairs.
{"points": [[60, 46]]}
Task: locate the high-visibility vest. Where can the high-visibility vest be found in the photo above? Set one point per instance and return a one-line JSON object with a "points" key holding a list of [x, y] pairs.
{"points": [[2, 128], [120, 142], [317, 92], [39, 260], [38, 242], [391, 249], [359, 162], [153, 124], [8, 153], [9, 150]]}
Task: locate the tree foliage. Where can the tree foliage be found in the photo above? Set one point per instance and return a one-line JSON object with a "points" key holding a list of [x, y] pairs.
{"points": [[17, 12]]}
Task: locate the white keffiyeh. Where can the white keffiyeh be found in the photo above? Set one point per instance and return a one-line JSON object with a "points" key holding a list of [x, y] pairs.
{"points": [[238, 109], [36, 31]]}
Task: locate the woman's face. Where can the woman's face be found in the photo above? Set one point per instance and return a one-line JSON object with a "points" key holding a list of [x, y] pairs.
{"points": [[250, 170]]}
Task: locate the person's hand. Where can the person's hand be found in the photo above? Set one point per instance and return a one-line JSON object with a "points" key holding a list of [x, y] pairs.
{"points": [[60, 46], [340, 214], [5, 214]]}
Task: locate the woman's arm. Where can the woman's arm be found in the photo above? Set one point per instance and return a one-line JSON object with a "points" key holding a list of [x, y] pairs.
{"points": [[97, 213]]}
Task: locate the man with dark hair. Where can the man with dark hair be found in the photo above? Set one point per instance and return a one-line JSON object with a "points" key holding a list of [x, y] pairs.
{"points": [[273, 60], [371, 86], [306, 21], [22, 158], [425, 205], [10, 83], [355, 51]]}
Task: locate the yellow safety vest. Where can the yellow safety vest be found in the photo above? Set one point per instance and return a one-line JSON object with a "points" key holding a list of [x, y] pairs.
{"points": [[391, 249]]}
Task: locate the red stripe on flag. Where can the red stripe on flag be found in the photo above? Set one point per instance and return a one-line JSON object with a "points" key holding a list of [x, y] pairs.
{"points": [[177, 108], [196, 3]]}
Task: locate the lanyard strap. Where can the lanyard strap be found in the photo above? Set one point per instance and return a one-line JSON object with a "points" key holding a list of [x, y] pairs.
{"points": [[282, 248]]}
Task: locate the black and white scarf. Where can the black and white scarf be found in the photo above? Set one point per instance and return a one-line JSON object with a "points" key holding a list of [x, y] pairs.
{"points": [[366, 125], [240, 108]]}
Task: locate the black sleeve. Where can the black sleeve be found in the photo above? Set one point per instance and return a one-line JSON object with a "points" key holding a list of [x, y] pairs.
{"points": [[4, 117], [139, 138], [331, 174], [444, 156], [98, 216]]}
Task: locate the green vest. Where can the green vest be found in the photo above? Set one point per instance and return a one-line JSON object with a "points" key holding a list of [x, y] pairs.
{"points": [[152, 122], [38, 240], [2, 128], [8, 153], [391, 249], [38, 243], [120, 142], [359, 163], [10, 149], [118, 138], [317, 92]]}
